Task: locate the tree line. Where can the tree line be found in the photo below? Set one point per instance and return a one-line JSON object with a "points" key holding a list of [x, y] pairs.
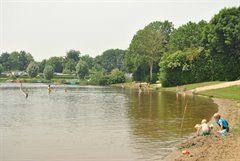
{"points": [[104, 69], [193, 52]]}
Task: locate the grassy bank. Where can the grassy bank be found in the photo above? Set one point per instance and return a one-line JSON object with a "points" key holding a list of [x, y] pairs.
{"points": [[192, 86], [232, 92]]}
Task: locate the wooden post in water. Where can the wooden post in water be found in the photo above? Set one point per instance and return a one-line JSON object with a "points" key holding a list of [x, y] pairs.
{"points": [[185, 109]]}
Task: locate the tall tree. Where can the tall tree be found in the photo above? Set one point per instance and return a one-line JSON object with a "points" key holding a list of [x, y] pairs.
{"points": [[56, 63], [149, 44], [14, 60], [24, 60], [82, 69], [89, 60], [221, 40], [111, 59], [4, 60], [74, 55], [33, 69], [41, 65], [187, 36], [48, 72], [1, 69]]}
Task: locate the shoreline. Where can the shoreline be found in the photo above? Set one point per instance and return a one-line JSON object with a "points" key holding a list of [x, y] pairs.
{"points": [[206, 148]]}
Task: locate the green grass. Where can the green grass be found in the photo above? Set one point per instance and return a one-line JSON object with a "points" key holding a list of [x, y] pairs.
{"points": [[232, 92], [192, 86]]}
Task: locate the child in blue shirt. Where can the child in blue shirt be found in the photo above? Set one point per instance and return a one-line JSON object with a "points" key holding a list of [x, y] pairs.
{"points": [[222, 123]]}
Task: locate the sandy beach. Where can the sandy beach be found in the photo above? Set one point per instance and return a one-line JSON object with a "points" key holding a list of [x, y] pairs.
{"points": [[213, 146]]}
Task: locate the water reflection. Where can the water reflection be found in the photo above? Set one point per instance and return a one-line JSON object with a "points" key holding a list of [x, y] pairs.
{"points": [[86, 123]]}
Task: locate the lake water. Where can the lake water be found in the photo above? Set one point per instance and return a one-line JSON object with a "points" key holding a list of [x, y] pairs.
{"points": [[89, 123]]}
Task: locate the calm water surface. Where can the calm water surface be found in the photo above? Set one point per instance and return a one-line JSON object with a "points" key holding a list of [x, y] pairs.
{"points": [[94, 123]]}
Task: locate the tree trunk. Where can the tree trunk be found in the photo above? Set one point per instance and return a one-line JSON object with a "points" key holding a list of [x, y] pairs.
{"points": [[151, 68]]}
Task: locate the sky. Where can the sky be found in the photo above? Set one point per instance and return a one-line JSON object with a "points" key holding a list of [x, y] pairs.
{"points": [[47, 28]]}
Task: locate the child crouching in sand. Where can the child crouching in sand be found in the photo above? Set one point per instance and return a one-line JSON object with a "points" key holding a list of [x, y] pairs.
{"points": [[222, 123], [203, 128]]}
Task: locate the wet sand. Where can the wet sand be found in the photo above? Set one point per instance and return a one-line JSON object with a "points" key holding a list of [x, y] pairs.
{"points": [[214, 146]]}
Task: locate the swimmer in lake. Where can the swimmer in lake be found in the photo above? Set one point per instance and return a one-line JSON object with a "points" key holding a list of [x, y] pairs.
{"points": [[49, 89]]}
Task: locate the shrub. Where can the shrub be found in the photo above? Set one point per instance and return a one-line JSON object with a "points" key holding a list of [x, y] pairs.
{"points": [[48, 72]]}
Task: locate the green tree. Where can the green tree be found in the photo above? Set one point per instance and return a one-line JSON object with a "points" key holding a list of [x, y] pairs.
{"points": [[187, 36], [110, 59], [42, 65], [56, 63], [4, 60], [99, 78], [89, 60], [1, 69], [33, 69], [24, 60], [82, 69], [74, 55], [221, 40], [149, 44], [14, 60], [70, 65], [48, 72], [183, 67], [116, 76]]}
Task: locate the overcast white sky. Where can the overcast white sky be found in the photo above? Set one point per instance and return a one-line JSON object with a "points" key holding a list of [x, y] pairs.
{"points": [[48, 28]]}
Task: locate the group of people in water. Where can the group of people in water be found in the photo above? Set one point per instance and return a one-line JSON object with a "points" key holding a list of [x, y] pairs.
{"points": [[25, 91], [205, 129]]}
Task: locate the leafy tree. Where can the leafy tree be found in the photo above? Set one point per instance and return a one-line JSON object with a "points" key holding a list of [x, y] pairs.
{"points": [[70, 65], [14, 60], [89, 60], [56, 63], [71, 60], [33, 69], [97, 68], [1, 69], [4, 61], [183, 67], [149, 44], [110, 59], [116, 76], [221, 40], [74, 55], [187, 36], [82, 69], [99, 78], [48, 72], [24, 60], [41, 65]]}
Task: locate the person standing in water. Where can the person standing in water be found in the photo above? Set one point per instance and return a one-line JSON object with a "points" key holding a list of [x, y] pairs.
{"points": [[49, 89], [25, 92]]}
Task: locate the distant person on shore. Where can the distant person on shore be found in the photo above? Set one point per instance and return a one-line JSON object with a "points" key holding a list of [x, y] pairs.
{"points": [[203, 128], [222, 123]]}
